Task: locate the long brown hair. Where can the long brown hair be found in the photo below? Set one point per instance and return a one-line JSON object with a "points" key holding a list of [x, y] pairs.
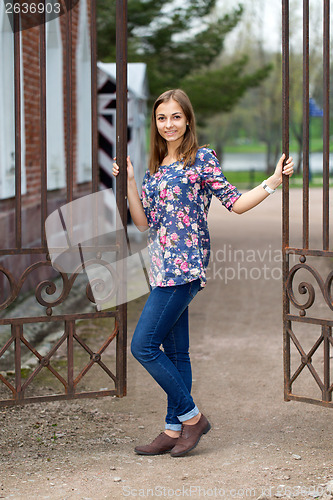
{"points": [[158, 146]]}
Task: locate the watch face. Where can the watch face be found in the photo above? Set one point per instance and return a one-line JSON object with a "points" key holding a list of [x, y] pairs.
{"points": [[267, 188]]}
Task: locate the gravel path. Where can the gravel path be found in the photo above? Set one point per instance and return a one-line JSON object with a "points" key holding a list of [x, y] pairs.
{"points": [[259, 445]]}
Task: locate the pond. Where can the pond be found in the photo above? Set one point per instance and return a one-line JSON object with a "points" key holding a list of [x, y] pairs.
{"points": [[257, 161]]}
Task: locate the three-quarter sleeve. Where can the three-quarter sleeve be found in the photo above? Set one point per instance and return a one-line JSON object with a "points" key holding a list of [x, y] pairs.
{"points": [[213, 178]]}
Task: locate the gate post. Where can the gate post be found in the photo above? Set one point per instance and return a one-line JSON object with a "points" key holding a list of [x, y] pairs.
{"points": [[50, 286], [121, 153], [301, 359], [285, 192]]}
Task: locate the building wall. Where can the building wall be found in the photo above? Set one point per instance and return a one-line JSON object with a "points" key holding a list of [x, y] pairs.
{"points": [[31, 200]]}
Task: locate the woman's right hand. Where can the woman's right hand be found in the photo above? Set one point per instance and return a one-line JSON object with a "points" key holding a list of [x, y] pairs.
{"points": [[135, 204], [130, 170]]}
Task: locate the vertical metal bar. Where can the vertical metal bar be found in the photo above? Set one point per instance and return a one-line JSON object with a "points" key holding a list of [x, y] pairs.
{"points": [[326, 123], [18, 137], [121, 152], [285, 188], [16, 332], [327, 395], [286, 360], [69, 105], [42, 65], [306, 124], [94, 116], [94, 131], [285, 116], [69, 329]]}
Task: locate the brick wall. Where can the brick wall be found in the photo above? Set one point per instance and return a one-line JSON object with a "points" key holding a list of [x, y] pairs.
{"points": [[31, 201]]}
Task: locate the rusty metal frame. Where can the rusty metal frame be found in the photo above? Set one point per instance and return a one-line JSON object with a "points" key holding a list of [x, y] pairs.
{"points": [[119, 333], [290, 340]]}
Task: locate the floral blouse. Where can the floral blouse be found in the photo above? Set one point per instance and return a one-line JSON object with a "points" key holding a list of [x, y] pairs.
{"points": [[176, 203]]}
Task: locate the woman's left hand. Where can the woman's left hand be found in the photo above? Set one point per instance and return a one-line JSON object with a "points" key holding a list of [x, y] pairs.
{"points": [[256, 195], [286, 169]]}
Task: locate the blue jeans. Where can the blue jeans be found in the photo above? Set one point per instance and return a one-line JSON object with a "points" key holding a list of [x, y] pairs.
{"points": [[164, 321]]}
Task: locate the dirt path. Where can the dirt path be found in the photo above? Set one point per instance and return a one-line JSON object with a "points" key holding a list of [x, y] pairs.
{"points": [[259, 446]]}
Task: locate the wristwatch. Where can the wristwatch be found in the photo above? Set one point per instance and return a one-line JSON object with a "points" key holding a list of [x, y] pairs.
{"points": [[267, 188]]}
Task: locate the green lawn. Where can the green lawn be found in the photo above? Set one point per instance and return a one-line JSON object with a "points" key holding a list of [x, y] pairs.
{"points": [[259, 147], [253, 147], [247, 180]]}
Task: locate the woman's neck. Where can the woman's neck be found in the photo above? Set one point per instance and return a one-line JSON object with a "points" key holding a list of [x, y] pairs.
{"points": [[169, 159], [171, 155]]}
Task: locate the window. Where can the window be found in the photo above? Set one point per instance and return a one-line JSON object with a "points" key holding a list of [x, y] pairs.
{"points": [[56, 166], [7, 111], [83, 85]]}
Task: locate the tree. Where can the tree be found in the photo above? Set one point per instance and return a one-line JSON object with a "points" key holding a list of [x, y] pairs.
{"points": [[222, 88], [181, 46], [296, 72], [257, 116]]}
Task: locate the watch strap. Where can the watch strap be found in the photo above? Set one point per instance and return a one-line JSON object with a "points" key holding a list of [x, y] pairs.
{"points": [[267, 188]]}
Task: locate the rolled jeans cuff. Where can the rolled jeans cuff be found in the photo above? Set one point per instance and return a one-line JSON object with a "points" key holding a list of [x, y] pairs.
{"points": [[188, 415], [174, 427]]}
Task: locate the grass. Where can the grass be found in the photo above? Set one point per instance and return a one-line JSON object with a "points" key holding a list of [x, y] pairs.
{"points": [[247, 145], [316, 146], [253, 147], [248, 179]]}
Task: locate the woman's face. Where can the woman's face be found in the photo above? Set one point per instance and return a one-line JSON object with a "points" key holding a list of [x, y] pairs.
{"points": [[171, 122]]}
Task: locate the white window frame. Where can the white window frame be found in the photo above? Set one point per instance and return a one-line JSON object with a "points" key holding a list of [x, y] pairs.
{"points": [[56, 164], [83, 92], [7, 111]]}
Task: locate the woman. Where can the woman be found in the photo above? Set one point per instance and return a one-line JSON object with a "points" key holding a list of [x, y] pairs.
{"points": [[176, 195]]}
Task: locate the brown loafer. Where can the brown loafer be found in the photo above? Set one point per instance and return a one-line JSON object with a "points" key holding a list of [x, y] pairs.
{"points": [[161, 444], [190, 436]]}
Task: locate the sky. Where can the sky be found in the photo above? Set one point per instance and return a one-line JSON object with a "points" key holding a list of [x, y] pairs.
{"points": [[266, 21]]}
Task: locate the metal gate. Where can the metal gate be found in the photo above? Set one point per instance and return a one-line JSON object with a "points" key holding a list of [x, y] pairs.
{"points": [[307, 311], [18, 384]]}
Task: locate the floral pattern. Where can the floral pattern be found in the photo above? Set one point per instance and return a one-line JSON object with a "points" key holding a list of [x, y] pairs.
{"points": [[176, 203]]}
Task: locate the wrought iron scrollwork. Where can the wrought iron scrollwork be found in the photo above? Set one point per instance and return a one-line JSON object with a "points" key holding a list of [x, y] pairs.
{"points": [[13, 288], [50, 288], [307, 288], [99, 284]]}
